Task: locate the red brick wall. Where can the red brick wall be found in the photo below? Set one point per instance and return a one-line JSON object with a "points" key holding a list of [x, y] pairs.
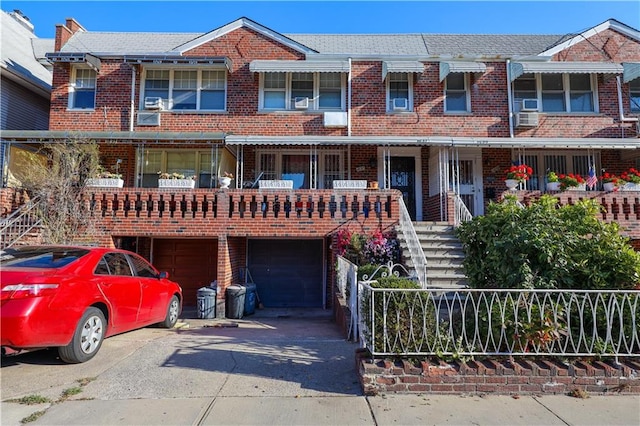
{"points": [[489, 117], [508, 377]]}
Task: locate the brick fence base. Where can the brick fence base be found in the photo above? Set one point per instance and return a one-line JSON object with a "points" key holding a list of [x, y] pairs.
{"points": [[502, 377]]}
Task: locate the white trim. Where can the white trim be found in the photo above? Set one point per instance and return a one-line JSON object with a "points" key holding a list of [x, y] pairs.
{"points": [[609, 24], [414, 152], [506, 142]]}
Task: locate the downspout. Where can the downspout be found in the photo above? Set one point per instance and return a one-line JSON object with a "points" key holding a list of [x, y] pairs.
{"points": [[509, 98], [133, 96], [349, 101], [623, 119]]}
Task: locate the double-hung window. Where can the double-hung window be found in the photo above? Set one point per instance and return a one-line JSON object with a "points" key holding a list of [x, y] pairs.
{"points": [[399, 95], [201, 89], [557, 92], [456, 95], [83, 89], [302, 91], [634, 95]]}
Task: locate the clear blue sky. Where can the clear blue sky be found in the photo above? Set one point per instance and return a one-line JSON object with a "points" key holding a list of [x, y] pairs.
{"points": [[331, 17]]}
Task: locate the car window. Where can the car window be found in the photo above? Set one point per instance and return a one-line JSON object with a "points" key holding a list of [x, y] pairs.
{"points": [[40, 257], [102, 268], [142, 267], [118, 264]]}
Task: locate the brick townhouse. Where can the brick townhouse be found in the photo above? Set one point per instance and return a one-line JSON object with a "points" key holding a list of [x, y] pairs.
{"points": [[328, 131]]}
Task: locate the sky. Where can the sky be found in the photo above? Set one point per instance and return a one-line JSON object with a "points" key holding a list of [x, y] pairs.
{"points": [[332, 17]]}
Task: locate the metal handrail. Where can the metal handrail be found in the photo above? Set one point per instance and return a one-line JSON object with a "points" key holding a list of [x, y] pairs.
{"points": [[19, 223], [523, 322], [462, 213], [413, 244]]}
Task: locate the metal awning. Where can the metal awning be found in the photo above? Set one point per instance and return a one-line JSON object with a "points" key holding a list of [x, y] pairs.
{"points": [[45, 136], [89, 59], [401, 66], [298, 66], [518, 68], [179, 60], [461, 142], [461, 67], [631, 71]]}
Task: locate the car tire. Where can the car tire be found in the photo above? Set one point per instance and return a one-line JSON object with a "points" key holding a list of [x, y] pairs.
{"points": [[87, 338], [173, 312]]}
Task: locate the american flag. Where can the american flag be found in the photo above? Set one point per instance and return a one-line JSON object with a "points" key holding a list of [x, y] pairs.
{"points": [[592, 179]]}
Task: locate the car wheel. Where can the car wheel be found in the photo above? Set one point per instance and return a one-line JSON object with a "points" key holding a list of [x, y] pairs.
{"points": [[87, 339], [173, 311]]}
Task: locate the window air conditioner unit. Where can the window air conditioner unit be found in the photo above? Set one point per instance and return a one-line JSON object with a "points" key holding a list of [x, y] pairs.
{"points": [[527, 119], [400, 104], [529, 105], [148, 118], [301, 103], [153, 102]]}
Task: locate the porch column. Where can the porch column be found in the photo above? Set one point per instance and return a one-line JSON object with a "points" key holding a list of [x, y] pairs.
{"points": [[224, 276]]}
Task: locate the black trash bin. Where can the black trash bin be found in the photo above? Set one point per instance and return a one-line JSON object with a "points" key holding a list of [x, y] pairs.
{"points": [[235, 301], [250, 298], [206, 298]]}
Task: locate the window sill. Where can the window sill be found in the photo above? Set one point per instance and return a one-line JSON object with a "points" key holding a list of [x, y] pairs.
{"points": [[81, 109], [295, 111], [462, 113], [401, 112], [184, 111]]}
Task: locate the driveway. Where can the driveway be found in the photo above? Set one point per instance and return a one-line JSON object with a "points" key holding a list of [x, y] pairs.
{"points": [[275, 367]]}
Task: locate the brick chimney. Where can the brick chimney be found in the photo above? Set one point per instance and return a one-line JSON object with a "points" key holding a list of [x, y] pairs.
{"points": [[64, 32]]}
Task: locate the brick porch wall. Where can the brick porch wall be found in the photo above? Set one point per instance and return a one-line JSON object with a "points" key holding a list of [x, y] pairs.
{"points": [[499, 376]]}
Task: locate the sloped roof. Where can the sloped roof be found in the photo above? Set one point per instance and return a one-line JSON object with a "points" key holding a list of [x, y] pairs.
{"points": [[20, 52], [420, 45]]}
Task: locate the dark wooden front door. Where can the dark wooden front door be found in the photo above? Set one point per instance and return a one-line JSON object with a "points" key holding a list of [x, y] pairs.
{"points": [[403, 178]]}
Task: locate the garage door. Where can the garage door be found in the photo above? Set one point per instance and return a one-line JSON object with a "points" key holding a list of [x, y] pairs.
{"points": [[287, 273], [191, 263]]}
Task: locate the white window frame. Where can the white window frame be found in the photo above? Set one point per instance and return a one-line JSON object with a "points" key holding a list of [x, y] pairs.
{"points": [[321, 158], [289, 104], [390, 77], [73, 89], [634, 93], [465, 90], [199, 89], [566, 92]]}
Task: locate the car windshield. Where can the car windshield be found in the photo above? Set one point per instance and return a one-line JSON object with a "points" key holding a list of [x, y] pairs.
{"points": [[40, 257]]}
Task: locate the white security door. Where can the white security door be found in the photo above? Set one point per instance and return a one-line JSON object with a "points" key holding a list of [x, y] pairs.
{"points": [[466, 177]]}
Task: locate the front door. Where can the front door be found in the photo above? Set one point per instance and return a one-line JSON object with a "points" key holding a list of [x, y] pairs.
{"points": [[465, 175], [403, 178]]}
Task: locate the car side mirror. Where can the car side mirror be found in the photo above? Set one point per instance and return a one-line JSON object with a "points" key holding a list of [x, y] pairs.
{"points": [[164, 275]]}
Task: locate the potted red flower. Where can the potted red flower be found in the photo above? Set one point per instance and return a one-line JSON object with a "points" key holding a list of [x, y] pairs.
{"points": [[517, 174]]}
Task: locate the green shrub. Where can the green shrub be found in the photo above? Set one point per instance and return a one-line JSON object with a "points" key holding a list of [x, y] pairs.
{"points": [[546, 246]]}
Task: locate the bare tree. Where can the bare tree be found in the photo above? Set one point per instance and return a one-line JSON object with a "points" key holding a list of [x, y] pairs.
{"points": [[59, 185]]}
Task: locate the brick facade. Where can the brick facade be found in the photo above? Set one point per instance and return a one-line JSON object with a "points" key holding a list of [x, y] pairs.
{"points": [[519, 376]]}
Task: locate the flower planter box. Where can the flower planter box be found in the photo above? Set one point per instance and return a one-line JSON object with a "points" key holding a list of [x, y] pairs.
{"points": [[630, 186], [511, 183], [609, 186], [177, 183], [105, 183], [553, 186], [580, 187]]}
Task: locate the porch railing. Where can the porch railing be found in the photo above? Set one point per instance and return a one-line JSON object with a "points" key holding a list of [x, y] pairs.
{"points": [[347, 283], [20, 223], [413, 244], [461, 213], [471, 322]]}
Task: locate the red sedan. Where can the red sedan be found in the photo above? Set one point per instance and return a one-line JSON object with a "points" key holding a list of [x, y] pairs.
{"points": [[74, 297]]}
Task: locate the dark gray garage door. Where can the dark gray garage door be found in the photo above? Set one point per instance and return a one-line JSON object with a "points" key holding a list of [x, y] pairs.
{"points": [[287, 273]]}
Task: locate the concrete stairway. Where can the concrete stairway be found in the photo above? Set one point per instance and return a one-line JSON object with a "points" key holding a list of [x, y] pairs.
{"points": [[443, 252]]}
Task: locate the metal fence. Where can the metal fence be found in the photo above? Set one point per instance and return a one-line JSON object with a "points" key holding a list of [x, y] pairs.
{"points": [[471, 322]]}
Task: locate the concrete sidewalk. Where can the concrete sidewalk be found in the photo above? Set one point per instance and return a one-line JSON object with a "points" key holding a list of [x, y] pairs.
{"points": [[341, 410], [272, 368]]}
